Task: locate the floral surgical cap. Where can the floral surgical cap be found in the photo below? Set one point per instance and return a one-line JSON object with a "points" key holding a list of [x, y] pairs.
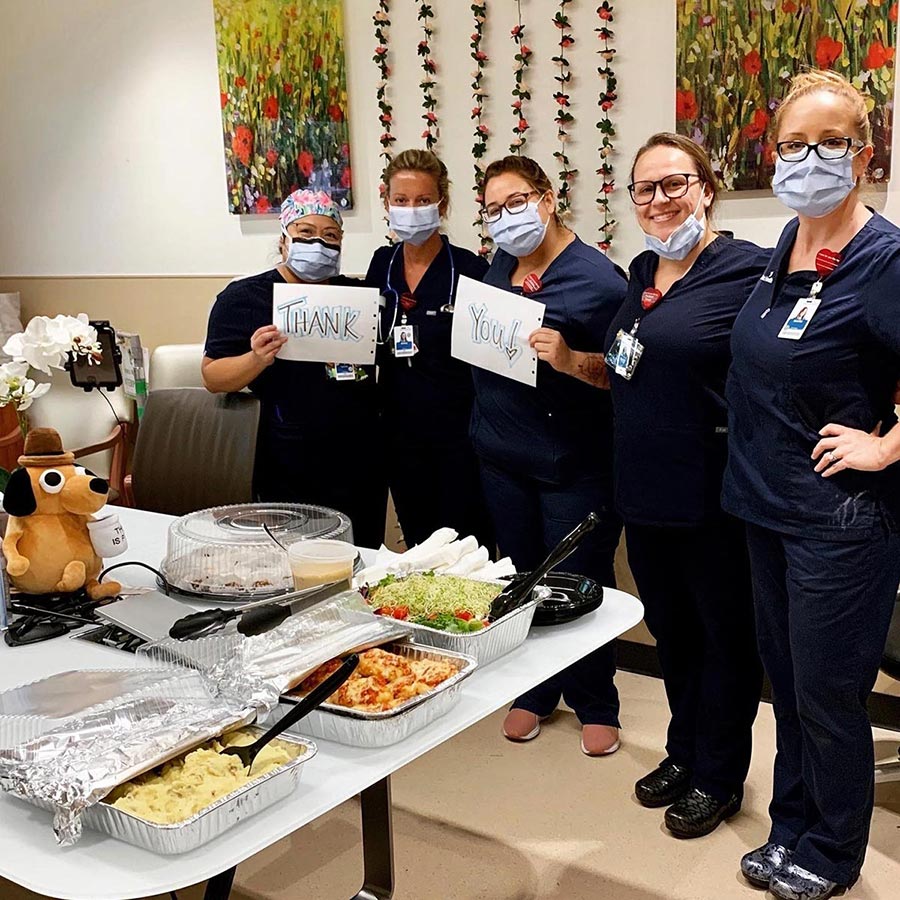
{"points": [[309, 203]]}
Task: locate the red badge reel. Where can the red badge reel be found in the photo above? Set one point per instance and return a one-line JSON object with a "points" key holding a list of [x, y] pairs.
{"points": [[650, 298], [531, 284], [408, 302], [826, 262]]}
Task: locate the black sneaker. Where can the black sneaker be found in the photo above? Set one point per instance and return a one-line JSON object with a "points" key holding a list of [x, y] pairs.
{"points": [[759, 865], [664, 785], [698, 813]]}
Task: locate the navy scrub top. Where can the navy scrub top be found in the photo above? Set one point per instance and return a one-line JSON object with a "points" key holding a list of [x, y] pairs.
{"points": [[291, 393], [431, 396], [843, 370], [562, 428], [671, 434]]}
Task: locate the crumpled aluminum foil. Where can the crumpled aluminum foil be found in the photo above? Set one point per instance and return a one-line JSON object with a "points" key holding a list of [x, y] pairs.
{"points": [[74, 765], [205, 687], [259, 669]]}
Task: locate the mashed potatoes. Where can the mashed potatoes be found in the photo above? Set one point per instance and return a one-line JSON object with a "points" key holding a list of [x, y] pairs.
{"points": [[184, 786]]}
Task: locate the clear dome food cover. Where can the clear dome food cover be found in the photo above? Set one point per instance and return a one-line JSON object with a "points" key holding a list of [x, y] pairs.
{"points": [[224, 552]]}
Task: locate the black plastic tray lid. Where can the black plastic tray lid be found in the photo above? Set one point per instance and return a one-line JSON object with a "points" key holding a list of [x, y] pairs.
{"points": [[573, 596]]}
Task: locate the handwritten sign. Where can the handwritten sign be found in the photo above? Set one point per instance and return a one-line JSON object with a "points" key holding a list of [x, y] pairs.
{"points": [[326, 323], [491, 328]]}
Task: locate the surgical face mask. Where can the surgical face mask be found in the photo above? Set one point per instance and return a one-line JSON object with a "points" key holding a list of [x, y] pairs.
{"points": [[414, 224], [813, 187], [519, 234], [311, 259], [683, 239]]}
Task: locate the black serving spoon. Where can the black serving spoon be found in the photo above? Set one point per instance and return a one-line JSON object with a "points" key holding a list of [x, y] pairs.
{"points": [[316, 696], [255, 619], [517, 593]]}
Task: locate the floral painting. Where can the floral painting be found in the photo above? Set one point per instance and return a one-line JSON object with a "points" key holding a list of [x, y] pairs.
{"points": [[735, 59], [283, 84]]}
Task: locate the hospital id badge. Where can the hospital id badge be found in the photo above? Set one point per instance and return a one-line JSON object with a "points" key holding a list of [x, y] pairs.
{"points": [[341, 371], [624, 354], [800, 317], [405, 341]]}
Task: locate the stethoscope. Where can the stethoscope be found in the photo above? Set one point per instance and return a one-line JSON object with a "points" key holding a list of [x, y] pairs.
{"points": [[448, 307]]}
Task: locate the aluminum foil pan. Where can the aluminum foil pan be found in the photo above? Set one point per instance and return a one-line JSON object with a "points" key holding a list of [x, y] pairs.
{"points": [[71, 766], [258, 669], [381, 729], [210, 822], [490, 643]]}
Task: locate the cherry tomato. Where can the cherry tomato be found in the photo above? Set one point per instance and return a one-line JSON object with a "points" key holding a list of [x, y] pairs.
{"points": [[463, 614], [386, 610], [401, 612]]}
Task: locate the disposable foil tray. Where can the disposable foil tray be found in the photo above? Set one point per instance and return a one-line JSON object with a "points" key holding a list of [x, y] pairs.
{"points": [[210, 822], [356, 728], [489, 643]]}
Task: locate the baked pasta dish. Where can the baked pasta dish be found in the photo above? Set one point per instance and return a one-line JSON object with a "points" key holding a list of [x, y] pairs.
{"points": [[382, 680], [185, 785]]}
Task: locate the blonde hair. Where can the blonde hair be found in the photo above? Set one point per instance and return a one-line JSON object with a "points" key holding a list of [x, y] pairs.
{"points": [[825, 80], [419, 161]]}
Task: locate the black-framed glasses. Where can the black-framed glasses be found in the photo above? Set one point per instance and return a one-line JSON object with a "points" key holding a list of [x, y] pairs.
{"points": [[514, 205], [829, 148], [672, 186]]}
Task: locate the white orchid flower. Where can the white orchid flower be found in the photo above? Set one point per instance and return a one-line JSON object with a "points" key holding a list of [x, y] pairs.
{"points": [[17, 388], [45, 343]]}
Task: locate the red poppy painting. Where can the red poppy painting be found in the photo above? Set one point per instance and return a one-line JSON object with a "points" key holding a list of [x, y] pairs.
{"points": [[283, 101], [733, 69]]}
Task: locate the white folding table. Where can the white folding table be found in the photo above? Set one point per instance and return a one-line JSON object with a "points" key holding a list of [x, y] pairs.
{"points": [[101, 868]]}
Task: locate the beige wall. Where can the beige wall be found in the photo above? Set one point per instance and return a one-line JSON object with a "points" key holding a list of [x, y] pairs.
{"points": [[162, 310]]}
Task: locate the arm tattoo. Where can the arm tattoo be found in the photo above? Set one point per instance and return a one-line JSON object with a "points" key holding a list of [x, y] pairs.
{"points": [[592, 369]]}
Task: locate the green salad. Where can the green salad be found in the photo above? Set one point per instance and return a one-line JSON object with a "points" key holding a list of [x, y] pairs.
{"points": [[445, 602]]}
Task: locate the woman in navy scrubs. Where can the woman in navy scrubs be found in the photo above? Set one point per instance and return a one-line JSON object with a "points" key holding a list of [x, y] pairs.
{"points": [[688, 558], [424, 394], [318, 427], [811, 470], [546, 451]]}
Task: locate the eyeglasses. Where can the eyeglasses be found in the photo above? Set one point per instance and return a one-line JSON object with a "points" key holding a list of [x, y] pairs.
{"points": [[672, 187], [830, 148], [514, 205]]}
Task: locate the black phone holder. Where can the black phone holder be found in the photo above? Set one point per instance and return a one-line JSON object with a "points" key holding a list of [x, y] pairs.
{"points": [[108, 374]]}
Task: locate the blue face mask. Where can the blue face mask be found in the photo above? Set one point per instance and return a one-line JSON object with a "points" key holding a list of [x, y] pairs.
{"points": [[813, 187], [414, 224], [311, 259], [683, 239], [519, 234]]}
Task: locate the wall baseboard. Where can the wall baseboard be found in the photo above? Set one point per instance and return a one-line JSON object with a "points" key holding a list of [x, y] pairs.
{"points": [[642, 659]]}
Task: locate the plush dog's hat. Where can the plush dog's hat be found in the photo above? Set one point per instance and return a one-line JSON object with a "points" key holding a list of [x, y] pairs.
{"points": [[43, 447]]}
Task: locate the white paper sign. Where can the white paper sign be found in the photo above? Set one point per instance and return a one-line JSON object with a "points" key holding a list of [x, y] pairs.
{"points": [[491, 328], [326, 323]]}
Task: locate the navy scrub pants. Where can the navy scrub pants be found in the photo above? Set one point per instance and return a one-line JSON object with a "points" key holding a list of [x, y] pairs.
{"points": [[437, 485], [531, 517], [694, 583], [822, 611]]}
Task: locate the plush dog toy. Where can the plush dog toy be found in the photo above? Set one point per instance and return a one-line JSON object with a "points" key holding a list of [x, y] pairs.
{"points": [[50, 501]]}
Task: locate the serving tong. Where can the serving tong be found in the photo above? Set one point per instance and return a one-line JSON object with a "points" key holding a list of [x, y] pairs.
{"points": [[255, 619], [519, 592], [314, 698]]}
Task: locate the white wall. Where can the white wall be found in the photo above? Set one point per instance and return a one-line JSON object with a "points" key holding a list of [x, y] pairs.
{"points": [[111, 151]]}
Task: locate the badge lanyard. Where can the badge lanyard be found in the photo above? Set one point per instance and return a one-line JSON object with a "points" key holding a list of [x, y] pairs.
{"points": [[626, 351], [407, 302], [805, 308]]}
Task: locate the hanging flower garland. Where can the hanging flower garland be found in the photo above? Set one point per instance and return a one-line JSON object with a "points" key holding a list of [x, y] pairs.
{"points": [[482, 132], [382, 21], [564, 117], [520, 91], [605, 101], [429, 101]]}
